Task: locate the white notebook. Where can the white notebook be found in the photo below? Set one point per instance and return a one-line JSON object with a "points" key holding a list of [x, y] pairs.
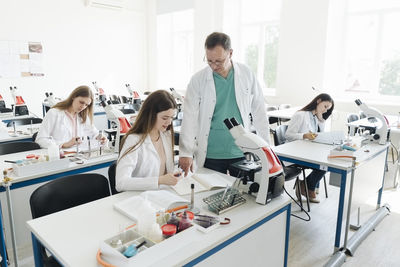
{"points": [[330, 138], [160, 200]]}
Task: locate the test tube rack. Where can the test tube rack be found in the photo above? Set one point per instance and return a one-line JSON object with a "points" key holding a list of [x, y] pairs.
{"points": [[231, 199]]}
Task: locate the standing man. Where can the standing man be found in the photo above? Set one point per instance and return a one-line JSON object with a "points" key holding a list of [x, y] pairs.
{"points": [[224, 89]]}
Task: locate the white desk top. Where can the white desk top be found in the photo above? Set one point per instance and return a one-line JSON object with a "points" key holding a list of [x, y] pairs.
{"points": [[318, 153], [74, 235], [40, 172], [286, 113]]}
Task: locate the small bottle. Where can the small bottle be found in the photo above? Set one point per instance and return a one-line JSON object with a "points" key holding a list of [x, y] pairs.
{"points": [[184, 223], [173, 220], [168, 230]]}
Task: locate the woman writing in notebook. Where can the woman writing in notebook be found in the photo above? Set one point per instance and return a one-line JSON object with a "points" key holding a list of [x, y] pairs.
{"points": [[68, 120], [146, 157], [305, 124]]}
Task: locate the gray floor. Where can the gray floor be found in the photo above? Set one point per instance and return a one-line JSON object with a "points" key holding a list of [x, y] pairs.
{"points": [[311, 243]]}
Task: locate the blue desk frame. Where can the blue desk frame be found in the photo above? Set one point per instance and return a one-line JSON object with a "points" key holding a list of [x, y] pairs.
{"points": [[343, 175], [36, 181]]}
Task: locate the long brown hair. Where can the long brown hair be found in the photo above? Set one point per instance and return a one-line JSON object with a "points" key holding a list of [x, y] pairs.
{"points": [[83, 91], [313, 104], [155, 103]]}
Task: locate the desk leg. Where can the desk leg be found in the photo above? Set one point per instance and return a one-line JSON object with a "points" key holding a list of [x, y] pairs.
{"points": [[36, 252], [2, 242], [378, 203], [340, 210]]}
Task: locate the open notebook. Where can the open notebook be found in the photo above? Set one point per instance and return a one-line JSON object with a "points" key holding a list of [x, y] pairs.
{"points": [[203, 180], [330, 138]]}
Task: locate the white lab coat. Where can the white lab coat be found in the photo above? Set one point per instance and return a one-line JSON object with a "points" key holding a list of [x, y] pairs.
{"points": [[57, 125], [199, 104], [140, 169], [300, 124]]}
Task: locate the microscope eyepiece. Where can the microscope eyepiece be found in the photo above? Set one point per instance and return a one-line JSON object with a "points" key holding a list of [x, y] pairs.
{"points": [[358, 102], [234, 122], [228, 124]]}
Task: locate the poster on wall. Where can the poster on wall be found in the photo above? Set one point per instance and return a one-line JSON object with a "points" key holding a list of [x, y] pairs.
{"points": [[21, 59]]}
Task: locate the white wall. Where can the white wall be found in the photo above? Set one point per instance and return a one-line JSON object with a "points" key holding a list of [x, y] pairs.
{"points": [[80, 44]]}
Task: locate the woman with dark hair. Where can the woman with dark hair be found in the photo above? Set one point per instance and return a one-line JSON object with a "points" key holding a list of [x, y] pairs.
{"points": [[146, 157], [305, 124], [69, 119]]}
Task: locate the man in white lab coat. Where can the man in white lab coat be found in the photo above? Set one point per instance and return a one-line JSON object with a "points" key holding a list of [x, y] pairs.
{"points": [[224, 89]]}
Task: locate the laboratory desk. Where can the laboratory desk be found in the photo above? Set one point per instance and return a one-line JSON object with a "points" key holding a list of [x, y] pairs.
{"points": [[43, 175], [369, 172], [286, 113], [257, 235], [7, 117], [22, 133]]}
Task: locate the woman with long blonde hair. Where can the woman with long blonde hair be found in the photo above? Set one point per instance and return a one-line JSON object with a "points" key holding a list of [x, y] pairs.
{"points": [[68, 120]]}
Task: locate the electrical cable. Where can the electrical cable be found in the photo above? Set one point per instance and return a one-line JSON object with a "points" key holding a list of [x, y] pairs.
{"points": [[301, 208]]}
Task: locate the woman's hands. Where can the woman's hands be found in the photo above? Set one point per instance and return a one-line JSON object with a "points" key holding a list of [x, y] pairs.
{"points": [[310, 136], [102, 139], [169, 179], [72, 142]]}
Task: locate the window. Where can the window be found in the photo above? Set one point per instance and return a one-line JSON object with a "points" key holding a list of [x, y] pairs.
{"points": [[372, 48], [257, 37], [174, 49]]}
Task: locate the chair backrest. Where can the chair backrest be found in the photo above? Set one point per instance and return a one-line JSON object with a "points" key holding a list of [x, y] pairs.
{"points": [[15, 147], [67, 192], [279, 134], [124, 99], [34, 136], [5, 110], [25, 121], [352, 117], [127, 111], [111, 177], [114, 99], [272, 120]]}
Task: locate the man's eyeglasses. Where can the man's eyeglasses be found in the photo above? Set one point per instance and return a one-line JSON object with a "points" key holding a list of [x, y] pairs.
{"points": [[216, 62]]}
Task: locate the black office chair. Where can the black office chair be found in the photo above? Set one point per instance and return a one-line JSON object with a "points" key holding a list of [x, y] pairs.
{"points": [[111, 177], [15, 147], [115, 99], [34, 136], [124, 99], [272, 120], [5, 110], [63, 193], [127, 111], [25, 121], [279, 139]]}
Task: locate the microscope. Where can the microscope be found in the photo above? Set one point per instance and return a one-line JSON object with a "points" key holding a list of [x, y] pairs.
{"points": [[100, 95], [20, 107], [266, 177], [136, 99], [49, 102], [117, 120], [379, 134], [2, 103]]}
